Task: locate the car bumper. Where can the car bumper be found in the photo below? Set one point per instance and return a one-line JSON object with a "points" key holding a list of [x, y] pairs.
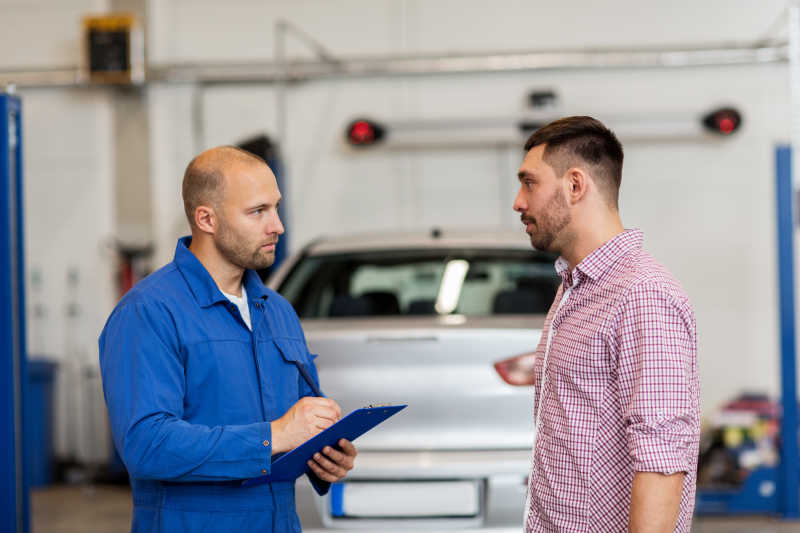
{"points": [[500, 474]]}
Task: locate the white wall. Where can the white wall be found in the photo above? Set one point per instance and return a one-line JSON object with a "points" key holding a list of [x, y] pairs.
{"points": [[68, 157], [707, 208]]}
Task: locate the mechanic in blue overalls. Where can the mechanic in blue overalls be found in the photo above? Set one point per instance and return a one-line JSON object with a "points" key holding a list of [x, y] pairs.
{"points": [[206, 372]]}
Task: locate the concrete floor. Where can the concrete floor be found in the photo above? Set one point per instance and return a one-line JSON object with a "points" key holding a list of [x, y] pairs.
{"points": [[81, 509], [107, 509]]}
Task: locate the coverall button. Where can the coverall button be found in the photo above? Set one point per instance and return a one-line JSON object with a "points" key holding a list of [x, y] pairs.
{"points": [[263, 471], [265, 443]]}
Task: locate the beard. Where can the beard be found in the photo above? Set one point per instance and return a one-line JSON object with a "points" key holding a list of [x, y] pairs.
{"points": [[241, 251], [549, 224]]}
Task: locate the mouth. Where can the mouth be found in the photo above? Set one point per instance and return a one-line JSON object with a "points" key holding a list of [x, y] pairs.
{"points": [[528, 224], [269, 247]]}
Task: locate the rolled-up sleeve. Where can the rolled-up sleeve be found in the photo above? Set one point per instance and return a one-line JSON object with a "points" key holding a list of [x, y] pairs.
{"points": [[659, 392]]}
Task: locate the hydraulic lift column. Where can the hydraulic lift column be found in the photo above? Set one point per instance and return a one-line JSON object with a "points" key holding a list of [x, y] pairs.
{"points": [[13, 484]]}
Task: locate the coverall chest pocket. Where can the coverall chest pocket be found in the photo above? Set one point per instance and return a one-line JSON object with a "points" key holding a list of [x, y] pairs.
{"points": [[291, 384]]}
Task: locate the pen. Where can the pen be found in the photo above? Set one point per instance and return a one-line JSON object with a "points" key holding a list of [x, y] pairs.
{"points": [[306, 376]]}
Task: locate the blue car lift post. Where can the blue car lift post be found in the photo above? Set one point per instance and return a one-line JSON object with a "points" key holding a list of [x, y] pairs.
{"points": [[789, 479], [14, 515], [774, 490]]}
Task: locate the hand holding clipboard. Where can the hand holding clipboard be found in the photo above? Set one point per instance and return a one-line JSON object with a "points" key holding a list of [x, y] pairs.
{"points": [[293, 464]]}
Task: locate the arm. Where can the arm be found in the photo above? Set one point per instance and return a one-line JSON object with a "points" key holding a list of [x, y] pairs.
{"points": [[144, 386], [655, 502], [659, 395]]}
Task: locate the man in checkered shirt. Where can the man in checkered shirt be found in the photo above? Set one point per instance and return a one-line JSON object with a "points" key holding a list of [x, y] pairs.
{"points": [[617, 402]]}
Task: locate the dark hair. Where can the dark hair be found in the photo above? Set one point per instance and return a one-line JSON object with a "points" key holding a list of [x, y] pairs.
{"points": [[587, 139], [204, 179]]}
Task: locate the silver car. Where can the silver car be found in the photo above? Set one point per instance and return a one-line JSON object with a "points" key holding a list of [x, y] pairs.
{"points": [[445, 322]]}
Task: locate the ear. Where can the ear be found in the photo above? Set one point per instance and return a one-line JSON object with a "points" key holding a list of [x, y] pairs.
{"points": [[206, 219], [577, 184]]}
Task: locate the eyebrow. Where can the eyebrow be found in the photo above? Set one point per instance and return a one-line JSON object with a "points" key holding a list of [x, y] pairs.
{"points": [[263, 205], [522, 174]]}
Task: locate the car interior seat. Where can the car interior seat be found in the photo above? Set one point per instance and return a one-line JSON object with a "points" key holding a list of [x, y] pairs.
{"points": [[346, 305], [529, 297], [421, 307], [382, 302]]}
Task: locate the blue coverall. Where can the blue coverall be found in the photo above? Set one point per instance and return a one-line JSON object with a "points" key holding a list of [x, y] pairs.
{"points": [[190, 393]]}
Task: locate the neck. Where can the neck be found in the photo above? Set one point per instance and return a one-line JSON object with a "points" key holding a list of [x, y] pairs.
{"points": [[226, 275], [590, 236]]}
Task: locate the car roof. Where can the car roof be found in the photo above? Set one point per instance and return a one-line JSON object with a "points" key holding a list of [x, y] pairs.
{"points": [[437, 238]]}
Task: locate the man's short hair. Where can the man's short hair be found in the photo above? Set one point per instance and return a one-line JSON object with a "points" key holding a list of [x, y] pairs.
{"points": [[572, 140], [204, 179]]}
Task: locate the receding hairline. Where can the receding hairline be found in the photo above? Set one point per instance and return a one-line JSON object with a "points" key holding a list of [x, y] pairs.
{"points": [[204, 179], [219, 155]]}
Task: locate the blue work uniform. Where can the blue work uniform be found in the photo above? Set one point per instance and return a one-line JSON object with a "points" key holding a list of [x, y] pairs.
{"points": [[190, 393]]}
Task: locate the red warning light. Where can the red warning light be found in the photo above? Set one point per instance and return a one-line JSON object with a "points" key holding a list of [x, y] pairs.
{"points": [[726, 125], [723, 121], [364, 132]]}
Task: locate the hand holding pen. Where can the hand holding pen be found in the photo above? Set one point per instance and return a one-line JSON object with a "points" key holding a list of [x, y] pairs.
{"points": [[302, 421]]}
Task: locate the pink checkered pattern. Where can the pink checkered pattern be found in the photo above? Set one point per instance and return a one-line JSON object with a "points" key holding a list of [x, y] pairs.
{"points": [[622, 394]]}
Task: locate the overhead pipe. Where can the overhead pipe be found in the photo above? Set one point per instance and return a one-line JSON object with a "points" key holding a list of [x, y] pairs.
{"points": [[289, 71], [308, 70]]}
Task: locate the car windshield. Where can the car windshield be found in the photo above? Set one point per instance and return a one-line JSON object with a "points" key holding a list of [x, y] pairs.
{"points": [[422, 282]]}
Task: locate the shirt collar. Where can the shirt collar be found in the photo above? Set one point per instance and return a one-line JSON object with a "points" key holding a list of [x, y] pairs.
{"points": [[201, 283], [602, 259]]}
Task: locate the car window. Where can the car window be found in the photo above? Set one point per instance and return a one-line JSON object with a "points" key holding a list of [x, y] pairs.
{"points": [[421, 282]]}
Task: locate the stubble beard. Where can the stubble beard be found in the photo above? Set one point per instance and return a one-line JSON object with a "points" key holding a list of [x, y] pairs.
{"points": [[237, 250], [552, 221]]}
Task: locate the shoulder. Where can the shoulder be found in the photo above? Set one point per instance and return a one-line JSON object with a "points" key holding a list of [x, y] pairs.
{"points": [[158, 307], [156, 287], [647, 293], [640, 275], [160, 292]]}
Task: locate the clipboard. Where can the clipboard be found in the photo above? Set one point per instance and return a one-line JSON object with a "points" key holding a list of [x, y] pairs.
{"points": [[292, 464]]}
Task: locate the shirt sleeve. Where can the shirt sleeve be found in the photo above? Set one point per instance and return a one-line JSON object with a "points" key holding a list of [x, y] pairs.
{"points": [[143, 383], [657, 380]]}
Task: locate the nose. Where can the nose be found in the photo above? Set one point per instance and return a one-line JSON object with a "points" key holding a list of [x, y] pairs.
{"points": [[275, 225], [520, 205]]}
